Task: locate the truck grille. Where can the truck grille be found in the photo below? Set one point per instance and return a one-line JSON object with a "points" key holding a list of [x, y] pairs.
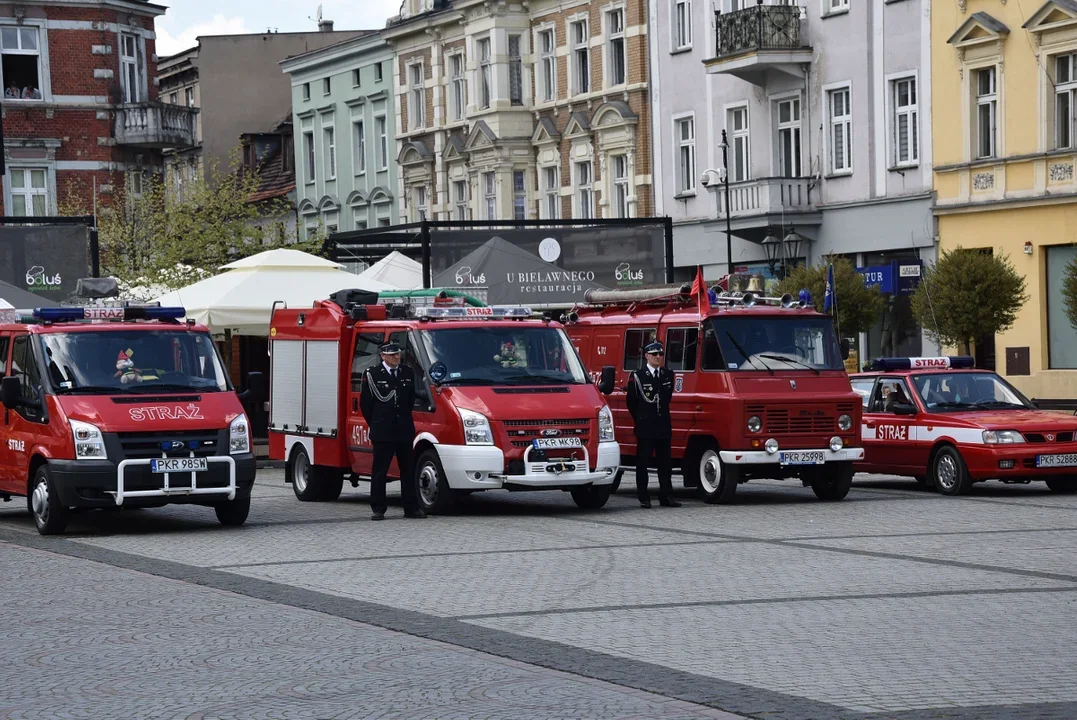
{"points": [[522, 432], [799, 420], [137, 446]]}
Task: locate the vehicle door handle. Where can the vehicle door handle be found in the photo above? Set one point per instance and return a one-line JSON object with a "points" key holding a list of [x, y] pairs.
{"points": [[355, 405]]}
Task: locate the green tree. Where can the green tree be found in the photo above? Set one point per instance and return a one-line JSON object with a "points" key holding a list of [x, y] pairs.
{"points": [[967, 295], [1069, 291], [859, 307]]}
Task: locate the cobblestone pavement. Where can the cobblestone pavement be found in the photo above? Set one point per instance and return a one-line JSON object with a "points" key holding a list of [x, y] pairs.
{"points": [[896, 603]]}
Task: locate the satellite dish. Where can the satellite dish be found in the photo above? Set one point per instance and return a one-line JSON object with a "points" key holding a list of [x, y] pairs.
{"points": [[319, 14]]}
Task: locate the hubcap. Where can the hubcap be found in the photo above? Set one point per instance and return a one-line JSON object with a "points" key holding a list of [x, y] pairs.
{"points": [[946, 471], [302, 472], [428, 483], [41, 502], [710, 471]]}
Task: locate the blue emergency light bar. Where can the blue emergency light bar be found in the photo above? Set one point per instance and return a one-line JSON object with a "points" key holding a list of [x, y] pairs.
{"points": [[956, 362], [495, 312], [70, 314]]}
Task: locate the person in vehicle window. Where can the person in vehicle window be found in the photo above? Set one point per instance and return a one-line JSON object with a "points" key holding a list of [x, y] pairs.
{"points": [[649, 392], [386, 402], [895, 396]]}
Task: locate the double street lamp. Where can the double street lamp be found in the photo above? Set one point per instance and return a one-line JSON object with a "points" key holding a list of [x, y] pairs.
{"points": [[781, 254]]}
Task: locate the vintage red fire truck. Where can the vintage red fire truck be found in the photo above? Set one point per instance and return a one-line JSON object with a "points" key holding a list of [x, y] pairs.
{"points": [[760, 392], [119, 406], [502, 401]]}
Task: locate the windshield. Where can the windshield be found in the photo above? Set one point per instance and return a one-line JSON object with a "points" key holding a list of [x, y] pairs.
{"points": [[504, 355], [132, 361], [769, 342], [961, 391]]}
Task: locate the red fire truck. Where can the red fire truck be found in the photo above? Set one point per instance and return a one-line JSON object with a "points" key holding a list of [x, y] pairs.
{"points": [[119, 406], [502, 401], [760, 392]]}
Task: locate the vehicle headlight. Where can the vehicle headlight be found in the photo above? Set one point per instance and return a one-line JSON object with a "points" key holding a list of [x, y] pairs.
{"points": [[89, 442], [605, 424], [476, 428], [755, 424], [845, 422], [836, 444], [239, 437], [1002, 437]]}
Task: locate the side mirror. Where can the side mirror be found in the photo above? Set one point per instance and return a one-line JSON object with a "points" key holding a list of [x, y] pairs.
{"points": [[256, 388], [606, 380], [11, 392], [903, 409], [845, 348]]}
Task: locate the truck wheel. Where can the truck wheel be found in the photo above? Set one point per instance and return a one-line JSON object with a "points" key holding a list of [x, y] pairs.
{"points": [[332, 482], [49, 513], [233, 512], [433, 490], [591, 497], [616, 481], [949, 472], [833, 484], [717, 481], [1064, 485], [306, 483]]}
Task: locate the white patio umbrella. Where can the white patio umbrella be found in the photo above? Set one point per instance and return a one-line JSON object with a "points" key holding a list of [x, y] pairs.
{"points": [[397, 270], [240, 300]]}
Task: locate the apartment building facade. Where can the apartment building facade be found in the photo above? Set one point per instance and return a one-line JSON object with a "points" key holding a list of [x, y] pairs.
{"points": [[345, 124], [1006, 167], [534, 110], [825, 105], [82, 117]]}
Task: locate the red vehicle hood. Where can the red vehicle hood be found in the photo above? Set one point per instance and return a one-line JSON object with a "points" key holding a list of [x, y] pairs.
{"points": [[810, 387], [528, 403], [1036, 420], [128, 413]]}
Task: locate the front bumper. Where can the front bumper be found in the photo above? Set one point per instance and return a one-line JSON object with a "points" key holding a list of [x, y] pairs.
{"points": [[762, 457], [96, 483], [983, 460], [482, 467]]}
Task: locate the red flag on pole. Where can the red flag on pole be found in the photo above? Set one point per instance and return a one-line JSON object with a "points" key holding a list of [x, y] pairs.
{"points": [[699, 289]]}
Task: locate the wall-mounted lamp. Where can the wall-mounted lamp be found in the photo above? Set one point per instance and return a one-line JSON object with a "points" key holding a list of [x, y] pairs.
{"points": [[1028, 247]]}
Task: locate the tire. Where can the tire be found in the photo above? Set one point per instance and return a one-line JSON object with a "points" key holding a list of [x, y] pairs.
{"points": [[306, 482], [435, 495], [717, 482], [832, 484], [949, 473], [50, 515], [233, 513], [332, 482], [1063, 485], [591, 497], [616, 481]]}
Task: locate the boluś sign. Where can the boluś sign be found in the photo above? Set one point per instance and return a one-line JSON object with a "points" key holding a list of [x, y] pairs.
{"points": [[46, 260]]}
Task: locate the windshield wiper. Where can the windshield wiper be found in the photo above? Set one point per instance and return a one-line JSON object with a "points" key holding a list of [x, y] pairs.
{"points": [[998, 403], [536, 379], [953, 405], [149, 388], [792, 361], [468, 381], [91, 390], [744, 354]]}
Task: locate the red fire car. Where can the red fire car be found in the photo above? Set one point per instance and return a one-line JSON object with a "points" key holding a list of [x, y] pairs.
{"points": [[950, 425]]}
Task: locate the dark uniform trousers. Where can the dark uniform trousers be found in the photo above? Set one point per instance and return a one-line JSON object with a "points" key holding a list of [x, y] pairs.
{"points": [[386, 403], [648, 398]]}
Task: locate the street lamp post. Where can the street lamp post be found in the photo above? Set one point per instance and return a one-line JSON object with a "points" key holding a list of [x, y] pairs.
{"points": [[728, 220]]}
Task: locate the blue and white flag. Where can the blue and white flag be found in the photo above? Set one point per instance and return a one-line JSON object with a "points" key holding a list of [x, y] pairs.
{"points": [[830, 300]]}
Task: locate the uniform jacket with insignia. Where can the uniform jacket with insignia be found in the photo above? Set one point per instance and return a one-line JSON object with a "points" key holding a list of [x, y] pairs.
{"points": [[387, 403], [648, 400]]}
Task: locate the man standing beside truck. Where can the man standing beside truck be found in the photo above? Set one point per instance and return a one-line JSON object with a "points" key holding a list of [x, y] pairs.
{"points": [[386, 402], [649, 393]]}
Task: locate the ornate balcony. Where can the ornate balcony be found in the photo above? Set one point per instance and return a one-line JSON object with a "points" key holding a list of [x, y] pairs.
{"points": [[155, 125], [754, 42], [755, 205]]}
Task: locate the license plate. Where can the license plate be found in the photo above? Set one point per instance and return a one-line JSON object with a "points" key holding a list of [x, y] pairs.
{"points": [[178, 465], [802, 457], [1069, 460], [556, 443]]}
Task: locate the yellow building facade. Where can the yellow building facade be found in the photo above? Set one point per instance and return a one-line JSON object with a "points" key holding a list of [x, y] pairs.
{"points": [[1004, 123]]}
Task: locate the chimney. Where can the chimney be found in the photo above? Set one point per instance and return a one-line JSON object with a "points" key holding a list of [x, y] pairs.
{"points": [[325, 26]]}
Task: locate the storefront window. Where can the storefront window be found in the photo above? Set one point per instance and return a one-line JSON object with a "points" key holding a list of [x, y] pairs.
{"points": [[1061, 337], [896, 334]]}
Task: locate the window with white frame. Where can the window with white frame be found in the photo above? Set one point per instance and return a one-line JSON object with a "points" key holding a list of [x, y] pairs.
{"points": [[329, 139], [460, 198], [490, 186], [986, 112], [418, 195], [380, 130], [327, 86], [486, 78], [379, 72], [29, 191], [548, 69], [616, 61], [459, 93], [682, 24], [620, 185], [308, 154], [173, 99], [906, 122], [416, 97], [519, 195], [841, 127], [585, 199], [188, 97], [516, 71], [581, 57], [357, 80], [1065, 92], [360, 146], [135, 180], [552, 193], [306, 91], [20, 63], [834, 5], [740, 168], [131, 68], [684, 133], [789, 138]]}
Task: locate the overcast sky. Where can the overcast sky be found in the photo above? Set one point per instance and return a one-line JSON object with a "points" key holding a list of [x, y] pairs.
{"points": [[187, 19]]}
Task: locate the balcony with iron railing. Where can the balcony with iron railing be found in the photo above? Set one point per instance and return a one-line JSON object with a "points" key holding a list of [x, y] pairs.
{"points": [[752, 42], [755, 205], [155, 125]]}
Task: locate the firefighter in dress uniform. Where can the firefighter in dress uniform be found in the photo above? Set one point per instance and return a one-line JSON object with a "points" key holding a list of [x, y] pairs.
{"points": [[386, 402], [649, 392]]}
